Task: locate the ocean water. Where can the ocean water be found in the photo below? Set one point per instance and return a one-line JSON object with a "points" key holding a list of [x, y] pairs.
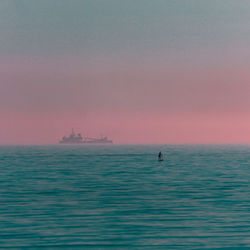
{"points": [[121, 197]]}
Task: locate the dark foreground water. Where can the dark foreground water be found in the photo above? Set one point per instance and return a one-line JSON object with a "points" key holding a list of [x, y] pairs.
{"points": [[121, 197]]}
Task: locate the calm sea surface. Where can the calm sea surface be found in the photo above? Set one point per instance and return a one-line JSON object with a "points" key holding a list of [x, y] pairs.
{"points": [[121, 197]]}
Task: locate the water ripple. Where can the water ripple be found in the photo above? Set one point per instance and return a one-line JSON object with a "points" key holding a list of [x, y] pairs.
{"points": [[122, 197]]}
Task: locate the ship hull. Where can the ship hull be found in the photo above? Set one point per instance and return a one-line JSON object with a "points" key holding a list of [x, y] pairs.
{"points": [[62, 142], [81, 143], [108, 142]]}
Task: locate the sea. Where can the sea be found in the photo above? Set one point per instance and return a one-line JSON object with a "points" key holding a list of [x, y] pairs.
{"points": [[122, 197]]}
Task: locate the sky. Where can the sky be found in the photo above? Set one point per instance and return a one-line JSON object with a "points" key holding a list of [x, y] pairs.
{"points": [[138, 71]]}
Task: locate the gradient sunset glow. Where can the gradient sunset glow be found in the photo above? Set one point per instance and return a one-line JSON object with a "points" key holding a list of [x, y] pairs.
{"points": [[138, 71]]}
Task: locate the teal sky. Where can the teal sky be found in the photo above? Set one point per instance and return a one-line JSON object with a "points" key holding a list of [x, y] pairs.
{"points": [[113, 28]]}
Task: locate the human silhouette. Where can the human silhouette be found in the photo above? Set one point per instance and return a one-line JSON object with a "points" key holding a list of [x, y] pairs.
{"points": [[160, 156]]}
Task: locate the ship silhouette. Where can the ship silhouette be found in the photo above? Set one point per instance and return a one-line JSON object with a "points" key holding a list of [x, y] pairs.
{"points": [[77, 139]]}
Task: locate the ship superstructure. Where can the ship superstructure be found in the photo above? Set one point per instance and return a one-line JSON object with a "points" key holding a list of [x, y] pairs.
{"points": [[72, 138], [77, 139]]}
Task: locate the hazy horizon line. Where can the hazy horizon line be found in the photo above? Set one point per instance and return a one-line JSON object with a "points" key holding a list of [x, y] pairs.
{"points": [[128, 144]]}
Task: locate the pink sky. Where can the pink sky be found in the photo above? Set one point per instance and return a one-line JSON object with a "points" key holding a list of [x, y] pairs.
{"points": [[42, 100], [32, 129]]}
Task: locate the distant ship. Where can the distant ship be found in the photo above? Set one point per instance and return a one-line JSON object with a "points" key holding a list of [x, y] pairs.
{"points": [[77, 139]]}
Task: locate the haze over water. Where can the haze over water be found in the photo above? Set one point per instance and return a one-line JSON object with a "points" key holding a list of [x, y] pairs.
{"points": [[121, 197]]}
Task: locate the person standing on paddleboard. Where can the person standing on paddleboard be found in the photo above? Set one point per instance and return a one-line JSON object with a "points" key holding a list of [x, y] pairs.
{"points": [[160, 156]]}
